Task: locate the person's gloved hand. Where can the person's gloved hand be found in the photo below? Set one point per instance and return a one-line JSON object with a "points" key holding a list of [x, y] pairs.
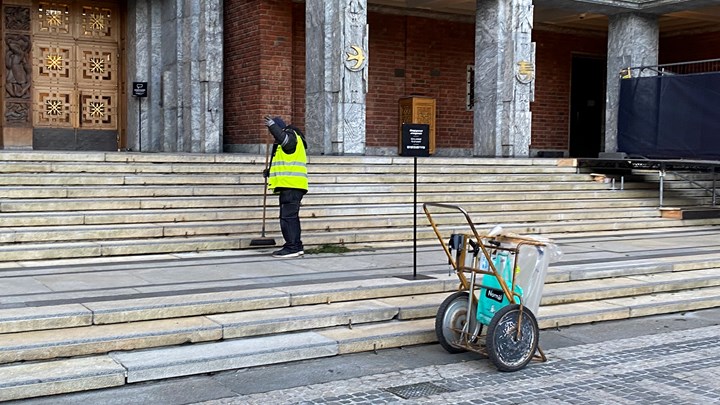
{"points": [[266, 173], [269, 121]]}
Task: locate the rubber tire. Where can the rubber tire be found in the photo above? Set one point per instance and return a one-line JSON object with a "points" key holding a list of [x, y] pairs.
{"points": [[453, 311], [504, 352]]}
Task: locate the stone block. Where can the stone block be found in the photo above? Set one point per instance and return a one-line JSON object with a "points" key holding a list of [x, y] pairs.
{"points": [[226, 355], [105, 312], [21, 381], [49, 344], [360, 289], [365, 338], [39, 318], [303, 318]]}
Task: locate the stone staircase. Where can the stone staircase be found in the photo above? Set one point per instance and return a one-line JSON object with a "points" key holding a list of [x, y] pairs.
{"points": [[71, 205], [177, 295]]}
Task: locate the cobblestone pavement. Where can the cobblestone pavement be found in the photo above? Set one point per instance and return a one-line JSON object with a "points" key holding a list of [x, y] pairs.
{"points": [[680, 367]]}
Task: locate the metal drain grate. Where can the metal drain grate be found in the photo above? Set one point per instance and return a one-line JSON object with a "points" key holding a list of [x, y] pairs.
{"points": [[417, 390]]}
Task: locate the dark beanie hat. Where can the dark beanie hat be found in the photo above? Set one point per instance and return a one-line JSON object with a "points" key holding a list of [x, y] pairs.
{"points": [[280, 122]]}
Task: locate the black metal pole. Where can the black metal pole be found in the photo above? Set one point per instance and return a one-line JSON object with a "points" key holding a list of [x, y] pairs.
{"points": [[139, 124], [415, 220]]}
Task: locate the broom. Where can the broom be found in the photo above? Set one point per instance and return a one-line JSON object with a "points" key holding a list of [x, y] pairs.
{"points": [[263, 240]]}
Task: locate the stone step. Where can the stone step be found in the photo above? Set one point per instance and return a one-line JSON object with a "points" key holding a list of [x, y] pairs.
{"points": [[84, 204], [494, 213], [330, 234], [69, 375], [29, 380], [27, 192], [255, 168], [87, 340], [210, 226], [309, 306], [123, 224], [552, 316]]}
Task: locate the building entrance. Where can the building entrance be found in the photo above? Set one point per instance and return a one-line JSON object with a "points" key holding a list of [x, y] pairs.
{"points": [[587, 106], [75, 75]]}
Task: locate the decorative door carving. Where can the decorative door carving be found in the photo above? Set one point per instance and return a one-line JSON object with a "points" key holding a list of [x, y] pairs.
{"points": [[75, 65]]}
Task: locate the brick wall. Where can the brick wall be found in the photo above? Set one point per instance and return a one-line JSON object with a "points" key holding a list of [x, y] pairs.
{"points": [[409, 57], [265, 72], [258, 45], [551, 109], [684, 48]]}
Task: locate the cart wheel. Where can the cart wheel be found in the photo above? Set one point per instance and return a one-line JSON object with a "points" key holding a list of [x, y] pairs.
{"points": [[505, 350], [451, 318]]}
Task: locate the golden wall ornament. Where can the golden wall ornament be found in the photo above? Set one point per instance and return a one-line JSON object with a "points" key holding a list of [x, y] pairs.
{"points": [[54, 62], [53, 17], [355, 60], [525, 72], [97, 65], [97, 109], [54, 107], [97, 22]]}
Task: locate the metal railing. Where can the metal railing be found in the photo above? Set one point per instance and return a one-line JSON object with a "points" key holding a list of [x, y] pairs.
{"points": [[681, 68]]}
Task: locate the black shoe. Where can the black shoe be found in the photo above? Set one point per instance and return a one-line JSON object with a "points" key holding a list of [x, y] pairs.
{"points": [[287, 253]]}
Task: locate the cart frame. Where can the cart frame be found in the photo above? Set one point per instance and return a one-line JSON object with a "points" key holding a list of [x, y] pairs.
{"points": [[482, 245]]}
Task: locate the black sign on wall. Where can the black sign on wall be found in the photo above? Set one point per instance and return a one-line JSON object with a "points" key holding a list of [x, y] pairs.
{"points": [[415, 140], [139, 89]]}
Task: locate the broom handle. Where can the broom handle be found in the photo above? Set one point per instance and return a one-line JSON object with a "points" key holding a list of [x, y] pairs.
{"points": [[267, 161]]}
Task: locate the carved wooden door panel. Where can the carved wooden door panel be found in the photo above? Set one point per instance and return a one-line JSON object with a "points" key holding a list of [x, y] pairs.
{"points": [[75, 75]]}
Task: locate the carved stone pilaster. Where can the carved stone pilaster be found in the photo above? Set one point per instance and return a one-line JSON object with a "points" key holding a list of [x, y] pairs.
{"points": [[504, 77], [336, 76], [176, 46], [17, 74]]}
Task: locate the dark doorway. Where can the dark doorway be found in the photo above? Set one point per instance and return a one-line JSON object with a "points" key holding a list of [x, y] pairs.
{"points": [[587, 106]]}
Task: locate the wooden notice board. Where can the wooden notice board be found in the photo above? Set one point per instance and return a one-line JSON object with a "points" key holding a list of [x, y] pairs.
{"points": [[418, 110]]}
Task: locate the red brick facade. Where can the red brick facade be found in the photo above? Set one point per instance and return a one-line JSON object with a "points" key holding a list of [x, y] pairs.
{"points": [[553, 60], [265, 72], [258, 53]]}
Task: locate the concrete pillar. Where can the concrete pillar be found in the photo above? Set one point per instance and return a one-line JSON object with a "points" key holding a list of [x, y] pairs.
{"points": [[504, 78], [633, 40], [336, 76], [176, 46]]}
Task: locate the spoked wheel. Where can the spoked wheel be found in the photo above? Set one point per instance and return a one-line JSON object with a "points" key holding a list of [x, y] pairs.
{"points": [[450, 320], [508, 350]]}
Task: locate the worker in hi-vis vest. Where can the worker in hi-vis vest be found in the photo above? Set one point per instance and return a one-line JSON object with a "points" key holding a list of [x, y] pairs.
{"points": [[287, 177]]}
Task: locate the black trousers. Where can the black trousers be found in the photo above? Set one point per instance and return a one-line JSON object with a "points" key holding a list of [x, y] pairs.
{"points": [[290, 199]]}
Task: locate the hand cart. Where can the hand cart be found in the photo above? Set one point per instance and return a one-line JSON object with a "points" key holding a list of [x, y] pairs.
{"points": [[488, 295]]}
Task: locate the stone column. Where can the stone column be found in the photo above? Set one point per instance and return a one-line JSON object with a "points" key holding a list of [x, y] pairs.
{"points": [[336, 76], [176, 46], [632, 41], [504, 78]]}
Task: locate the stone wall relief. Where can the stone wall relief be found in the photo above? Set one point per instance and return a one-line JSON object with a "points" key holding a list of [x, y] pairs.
{"points": [[17, 73]]}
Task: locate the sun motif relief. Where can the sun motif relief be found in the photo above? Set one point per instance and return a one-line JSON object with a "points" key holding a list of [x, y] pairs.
{"points": [[54, 62], [97, 65], [53, 17], [97, 109], [97, 22], [54, 107]]}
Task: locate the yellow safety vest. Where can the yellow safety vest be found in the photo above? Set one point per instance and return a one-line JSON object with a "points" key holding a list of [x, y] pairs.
{"points": [[289, 170]]}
